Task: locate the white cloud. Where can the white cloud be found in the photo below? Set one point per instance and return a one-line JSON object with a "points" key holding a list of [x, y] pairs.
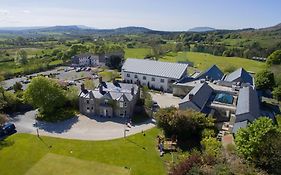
{"points": [[26, 11], [4, 12]]}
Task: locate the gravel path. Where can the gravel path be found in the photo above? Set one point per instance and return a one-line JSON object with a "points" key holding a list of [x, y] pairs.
{"points": [[80, 127]]}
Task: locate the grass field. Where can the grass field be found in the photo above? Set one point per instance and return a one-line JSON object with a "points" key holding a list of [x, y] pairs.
{"points": [[137, 52], [58, 164], [201, 61], [27, 154]]}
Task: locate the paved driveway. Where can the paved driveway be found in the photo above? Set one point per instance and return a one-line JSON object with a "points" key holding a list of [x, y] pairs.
{"points": [[165, 100], [79, 127]]}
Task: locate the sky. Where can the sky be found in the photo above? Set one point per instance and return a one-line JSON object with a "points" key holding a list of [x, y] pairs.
{"points": [[169, 15]]}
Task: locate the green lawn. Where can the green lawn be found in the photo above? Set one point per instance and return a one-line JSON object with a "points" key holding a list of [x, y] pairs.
{"points": [[27, 154], [58, 164], [137, 52], [203, 61]]}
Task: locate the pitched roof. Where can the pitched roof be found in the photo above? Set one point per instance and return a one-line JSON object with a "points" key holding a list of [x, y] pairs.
{"points": [[248, 102], [200, 95], [241, 74], [155, 68], [213, 73], [114, 91]]}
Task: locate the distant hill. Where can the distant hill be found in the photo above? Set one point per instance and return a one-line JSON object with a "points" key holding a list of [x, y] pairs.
{"points": [[202, 29]]}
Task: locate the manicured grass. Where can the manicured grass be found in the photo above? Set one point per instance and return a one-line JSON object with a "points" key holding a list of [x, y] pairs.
{"points": [[26, 153], [136, 52], [203, 61], [58, 164]]}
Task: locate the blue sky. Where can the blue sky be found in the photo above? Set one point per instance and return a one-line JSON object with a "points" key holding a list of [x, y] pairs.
{"points": [[154, 14]]}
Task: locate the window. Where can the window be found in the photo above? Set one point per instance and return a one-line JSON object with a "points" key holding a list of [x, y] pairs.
{"points": [[152, 79], [125, 104], [87, 101], [136, 76], [121, 105], [106, 101], [162, 80], [144, 77], [128, 75]]}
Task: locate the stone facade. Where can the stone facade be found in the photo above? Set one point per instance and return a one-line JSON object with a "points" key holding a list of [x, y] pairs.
{"points": [[109, 100]]}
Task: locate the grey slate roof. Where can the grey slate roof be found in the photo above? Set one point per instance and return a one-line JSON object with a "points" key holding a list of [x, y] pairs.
{"points": [[213, 73], [113, 91], [155, 68], [201, 94], [248, 102], [241, 74]]}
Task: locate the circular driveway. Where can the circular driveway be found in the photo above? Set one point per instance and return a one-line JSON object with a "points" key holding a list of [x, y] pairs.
{"points": [[80, 127]]}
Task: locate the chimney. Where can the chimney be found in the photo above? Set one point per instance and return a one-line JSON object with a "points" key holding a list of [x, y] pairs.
{"points": [[83, 87], [132, 90], [114, 81], [100, 79], [101, 88], [190, 97]]}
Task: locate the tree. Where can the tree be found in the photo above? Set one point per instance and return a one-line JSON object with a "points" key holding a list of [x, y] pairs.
{"points": [[114, 62], [269, 157], [277, 93], [211, 146], [72, 97], [45, 94], [17, 87], [264, 80], [89, 84], [260, 143], [274, 58], [184, 124], [21, 57], [3, 119]]}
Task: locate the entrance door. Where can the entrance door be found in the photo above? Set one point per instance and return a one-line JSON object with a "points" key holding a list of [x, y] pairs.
{"points": [[105, 112]]}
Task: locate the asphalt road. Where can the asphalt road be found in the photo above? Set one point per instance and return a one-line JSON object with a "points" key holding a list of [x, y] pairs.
{"points": [[79, 127]]}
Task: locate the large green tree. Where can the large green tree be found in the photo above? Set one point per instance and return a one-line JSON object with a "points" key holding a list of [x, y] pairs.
{"points": [[45, 94], [264, 80], [259, 143], [184, 124], [274, 58], [21, 57]]}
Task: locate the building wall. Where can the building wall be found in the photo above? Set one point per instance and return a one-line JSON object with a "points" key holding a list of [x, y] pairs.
{"points": [[188, 105], [243, 117], [181, 91], [159, 83], [93, 106]]}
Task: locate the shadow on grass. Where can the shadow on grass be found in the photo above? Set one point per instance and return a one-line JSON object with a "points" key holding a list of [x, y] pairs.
{"points": [[136, 144], [6, 143]]}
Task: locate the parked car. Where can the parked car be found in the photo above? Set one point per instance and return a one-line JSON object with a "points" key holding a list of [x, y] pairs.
{"points": [[7, 130], [78, 69], [26, 81]]}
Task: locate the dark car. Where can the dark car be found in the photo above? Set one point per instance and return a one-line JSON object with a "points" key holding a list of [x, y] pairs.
{"points": [[7, 130]]}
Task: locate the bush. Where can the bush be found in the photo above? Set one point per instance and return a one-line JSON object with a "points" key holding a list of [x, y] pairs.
{"points": [[277, 93], [264, 80], [211, 146], [184, 124]]}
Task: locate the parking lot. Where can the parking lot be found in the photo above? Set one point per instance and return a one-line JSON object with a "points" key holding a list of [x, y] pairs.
{"points": [[165, 100], [63, 73]]}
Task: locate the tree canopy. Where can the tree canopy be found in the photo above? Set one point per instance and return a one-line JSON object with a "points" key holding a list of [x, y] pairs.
{"points": [[274, 58], [21, 57], [260, 143], [45, 94], [184, 124], [264, 80]]}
